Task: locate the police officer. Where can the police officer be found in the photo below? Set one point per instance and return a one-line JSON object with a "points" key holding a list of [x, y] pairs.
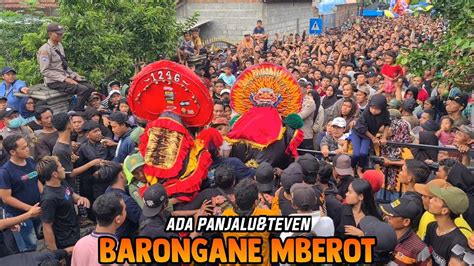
{"points": [[56, 72]]}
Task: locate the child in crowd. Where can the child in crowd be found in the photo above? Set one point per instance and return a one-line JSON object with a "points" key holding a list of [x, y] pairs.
{"points": [[227, 76], [446, 134], [366, 128], [390, 71]]}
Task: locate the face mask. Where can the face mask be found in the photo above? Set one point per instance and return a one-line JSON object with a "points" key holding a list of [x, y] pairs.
{"points": [[15, 123]]}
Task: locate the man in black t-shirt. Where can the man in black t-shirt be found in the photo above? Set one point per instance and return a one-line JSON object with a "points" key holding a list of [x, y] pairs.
{"points": [[60, 222], [441, 236]]}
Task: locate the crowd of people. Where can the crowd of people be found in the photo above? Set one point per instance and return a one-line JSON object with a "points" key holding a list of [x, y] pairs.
{"points": [[65, 171]]}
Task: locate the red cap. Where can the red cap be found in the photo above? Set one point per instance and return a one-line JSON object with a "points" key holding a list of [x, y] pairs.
{"points": [[375, 178]]}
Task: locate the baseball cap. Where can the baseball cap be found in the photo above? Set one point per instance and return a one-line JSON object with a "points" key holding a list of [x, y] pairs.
{"points": [[375, 178], [371, 74], [423, 188], [456, 199], [112, 92], [220, 121], [395, 113], [291, 175], [7, 112], [358, 74], [225, 91], [342, 165], [467, 130], [265, 177], [460, 98], [394, 104], [3, 98], [303, 196], [136, 134], [364, 88], [5, 70], [302, 82], [430, 125], [154, 200], [386, 237], [55, 27], [119, 117], [401, 207], [309, 164], [134, 161], [90, 125], [339, 122]]}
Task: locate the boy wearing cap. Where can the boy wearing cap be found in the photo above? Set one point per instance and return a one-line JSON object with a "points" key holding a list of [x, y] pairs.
{"points": [[343, 174], [265, 177], [441, 236], [10, 85], [410, 250], [454, 107], [305, 200], [428, 218], [56, 72], [133, 170], [291, 175], [333, 142], [463, 140]]}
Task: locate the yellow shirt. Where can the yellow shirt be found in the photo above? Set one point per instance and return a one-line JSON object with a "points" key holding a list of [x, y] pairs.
{"points": [[264, 235], [427, 218]]}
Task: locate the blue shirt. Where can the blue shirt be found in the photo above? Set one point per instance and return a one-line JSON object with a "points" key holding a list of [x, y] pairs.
{"points": [[125, 147], [12, 100], [229, 80], [23, 182]]}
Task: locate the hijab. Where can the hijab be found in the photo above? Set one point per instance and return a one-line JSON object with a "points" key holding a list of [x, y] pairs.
{"points": [[422, 154], [352, 114], [329, 101], [23, 111]]}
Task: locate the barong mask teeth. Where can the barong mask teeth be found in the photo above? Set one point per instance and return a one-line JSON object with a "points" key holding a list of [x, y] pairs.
{"points": [[266, 84]]}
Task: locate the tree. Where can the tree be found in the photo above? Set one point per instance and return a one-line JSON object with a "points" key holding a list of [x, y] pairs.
{"points": [[453, 55], [103, 38]]}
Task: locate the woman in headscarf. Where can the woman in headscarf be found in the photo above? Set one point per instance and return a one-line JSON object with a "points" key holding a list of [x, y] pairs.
{"points": [[350, 112], [328, 102], [423, 154]]}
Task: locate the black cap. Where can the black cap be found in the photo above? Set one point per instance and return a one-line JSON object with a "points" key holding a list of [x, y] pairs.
{"points": [[154, 200], [460, 98], [3, 98], [401, 207], [430, 125], [291, 175], [386, 237], [360, 73], [265, 177], [55, 27], [372, 74], [309, 164], [90, 125], [303, 196], [119, 117], [7, 112]]}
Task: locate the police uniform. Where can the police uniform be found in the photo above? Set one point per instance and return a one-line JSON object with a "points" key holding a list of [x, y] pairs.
{"points": [[55, 70]]}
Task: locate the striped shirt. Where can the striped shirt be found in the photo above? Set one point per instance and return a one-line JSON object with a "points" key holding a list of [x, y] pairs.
{"points": [[410, 250]]}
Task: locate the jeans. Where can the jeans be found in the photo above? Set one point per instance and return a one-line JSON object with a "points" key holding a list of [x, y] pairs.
{"points": [[360, 154], [26, 239]]}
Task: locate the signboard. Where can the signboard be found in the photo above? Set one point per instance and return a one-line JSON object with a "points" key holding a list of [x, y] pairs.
{"points": [[315, 26]]}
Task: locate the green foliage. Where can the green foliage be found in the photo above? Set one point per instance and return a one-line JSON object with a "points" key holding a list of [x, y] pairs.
{"points": [[104, 39], [21, 38], [453, 55]]}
